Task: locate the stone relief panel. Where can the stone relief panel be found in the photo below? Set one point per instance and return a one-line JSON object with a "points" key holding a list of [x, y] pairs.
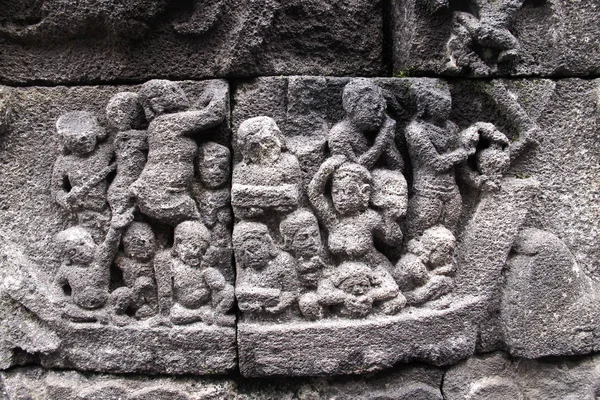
{"points": [[495, 38], [351, 253], [143, 255]]}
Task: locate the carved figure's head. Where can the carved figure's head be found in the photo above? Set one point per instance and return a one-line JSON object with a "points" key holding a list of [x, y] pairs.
{"points": [[124, 111], [254, 246], [76, 245], [139, 242], [191, 240], [301, 235], [260, 140], [436, 246], [364, 104], [351, 188], [161, 96], [79, 131], [390, 191], [353, 278], [433, 99], [213, 165]]}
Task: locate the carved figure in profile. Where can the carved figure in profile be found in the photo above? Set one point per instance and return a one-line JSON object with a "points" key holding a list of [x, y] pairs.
{"points": [[356, 290], [367, 134], [190, 289], [137, 268], [125, 113], [351, 223], [268, 179], [79, 182], [267, 285], [212, 192], [426, 272], [163, 189], [435, 149], [82, 281]]}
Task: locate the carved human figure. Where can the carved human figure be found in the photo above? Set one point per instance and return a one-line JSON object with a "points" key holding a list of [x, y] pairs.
{"points": [[351, 224], [79, 176], [163, 189], [268, 179], [136, 264], [426, 271], [355, 290], [125, 113], [435, 148], [367, 134], [82, 281], [267, 285], [211, 191], [190, 289]]}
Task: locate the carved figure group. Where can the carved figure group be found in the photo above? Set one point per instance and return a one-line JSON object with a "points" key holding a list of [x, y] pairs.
{"points": [[168, 176]]}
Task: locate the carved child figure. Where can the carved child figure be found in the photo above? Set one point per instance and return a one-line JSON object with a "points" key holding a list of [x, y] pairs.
{"points": [[163, 189], [79, 176], [82, 281], [267, 285], [354, 290], [267, 179], [351, 224], [137, 267], [125, 113], [367, 134], [426, 272], [190, 289]]}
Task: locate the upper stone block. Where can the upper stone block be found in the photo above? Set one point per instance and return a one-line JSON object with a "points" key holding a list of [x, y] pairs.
{"points": [[91, 41], [497, 37]]}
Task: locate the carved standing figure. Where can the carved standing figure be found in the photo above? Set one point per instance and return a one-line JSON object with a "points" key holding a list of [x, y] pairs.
{"points": [[163, 189]]}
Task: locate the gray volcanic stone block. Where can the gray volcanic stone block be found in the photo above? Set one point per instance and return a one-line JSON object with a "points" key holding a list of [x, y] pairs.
{"points": [[94, 41], [116, 229], [496, 38]]}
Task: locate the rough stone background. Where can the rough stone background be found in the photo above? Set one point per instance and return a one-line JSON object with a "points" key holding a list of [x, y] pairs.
{"points": [[251, 42]]}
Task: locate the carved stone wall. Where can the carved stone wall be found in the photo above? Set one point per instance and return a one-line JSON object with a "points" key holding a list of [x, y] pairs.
{"points": [[384, 220]]}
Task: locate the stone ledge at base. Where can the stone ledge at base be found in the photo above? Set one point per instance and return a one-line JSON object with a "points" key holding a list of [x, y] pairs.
{"points": [[353, 347]]}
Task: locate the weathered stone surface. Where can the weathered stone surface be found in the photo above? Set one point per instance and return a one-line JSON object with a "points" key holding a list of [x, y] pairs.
{"points": [[496, 38], [141, 279], [94, 41]]}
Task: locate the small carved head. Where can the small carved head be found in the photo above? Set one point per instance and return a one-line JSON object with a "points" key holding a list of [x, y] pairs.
{"points": [[191, 240], [139, 242], [364, 104], [254, 246], [390, 191], [124, 111], [76, 245], [351, 188], [161, 96], [432, 98], [260, 140], [79, 131], [436, 246], [301, 235], [353, 278], [213, 165]]}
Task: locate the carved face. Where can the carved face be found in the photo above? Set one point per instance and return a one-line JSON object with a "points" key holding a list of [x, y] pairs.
{"points": [[214, 170], [441, 254], [356, 285], [368, 111], [129, 142], [80, 142], [350, 195], [439, 105], [190, 250], [307, 241], [139, 247], [264, 147], [80, 250], [166, 98], [255, 253]]}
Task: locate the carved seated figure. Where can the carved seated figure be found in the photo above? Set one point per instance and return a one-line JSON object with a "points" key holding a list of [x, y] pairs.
{"points": [[82, 282], [190, 289], [351, 224], [137, 267], [354, 290], [125, 113], [163, 189], [426, 272], [79, 176], [367, 134], [267, 179], [267, 285]]}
